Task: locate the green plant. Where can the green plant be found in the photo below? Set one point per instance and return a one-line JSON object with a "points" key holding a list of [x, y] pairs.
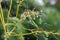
{"points": [[42, 25]]}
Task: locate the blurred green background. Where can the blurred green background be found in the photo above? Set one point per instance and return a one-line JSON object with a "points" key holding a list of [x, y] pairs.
{"points": [[48, 18]]}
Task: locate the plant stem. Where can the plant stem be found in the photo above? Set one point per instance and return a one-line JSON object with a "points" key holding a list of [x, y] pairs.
{"points": [[2, 20], [9, 10]]}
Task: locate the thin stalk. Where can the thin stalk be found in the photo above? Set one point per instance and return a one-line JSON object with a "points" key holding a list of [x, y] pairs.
{"points": [[18, 5], [2, 20], [17, 10], [9, 10], [35, 32]]}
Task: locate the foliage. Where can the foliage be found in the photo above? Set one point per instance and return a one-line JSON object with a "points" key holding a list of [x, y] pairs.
{"points": [[21, 21]]}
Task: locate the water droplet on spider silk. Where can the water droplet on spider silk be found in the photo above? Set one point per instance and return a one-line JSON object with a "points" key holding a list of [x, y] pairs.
{"points": [[37, 16], [34, 18], [40, 21], [41, 11]]}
